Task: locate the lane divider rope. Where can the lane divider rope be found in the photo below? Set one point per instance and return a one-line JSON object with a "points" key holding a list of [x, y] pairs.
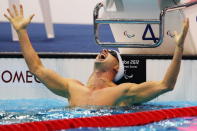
{"points": [[129, 119]]}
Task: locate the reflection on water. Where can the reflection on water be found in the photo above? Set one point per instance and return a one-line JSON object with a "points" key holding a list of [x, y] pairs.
{"points": [[18, 111]]}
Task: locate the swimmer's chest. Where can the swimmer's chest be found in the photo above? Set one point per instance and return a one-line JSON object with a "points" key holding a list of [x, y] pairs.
{"points": [[107, 96]]}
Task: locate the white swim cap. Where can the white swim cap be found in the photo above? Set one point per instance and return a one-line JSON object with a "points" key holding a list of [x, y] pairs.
{"points": [[120, 72]]}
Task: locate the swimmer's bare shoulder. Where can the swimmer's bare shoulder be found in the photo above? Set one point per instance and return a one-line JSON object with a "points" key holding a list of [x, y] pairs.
{"points": [[139, 93], [56, 83], [75, 86]]}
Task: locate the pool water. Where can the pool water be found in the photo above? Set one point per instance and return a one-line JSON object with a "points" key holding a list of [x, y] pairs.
{"points": [[19, 111]]}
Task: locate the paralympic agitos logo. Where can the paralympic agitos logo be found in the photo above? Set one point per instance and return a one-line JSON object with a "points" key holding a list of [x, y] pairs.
{"points": [[8, 76]]}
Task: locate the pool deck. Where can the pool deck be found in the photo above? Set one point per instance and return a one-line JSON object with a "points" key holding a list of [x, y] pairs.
{"points": [[69, 38]]}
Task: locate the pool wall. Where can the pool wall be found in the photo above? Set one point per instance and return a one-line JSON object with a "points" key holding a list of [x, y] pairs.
{"points": [[16, 82]]}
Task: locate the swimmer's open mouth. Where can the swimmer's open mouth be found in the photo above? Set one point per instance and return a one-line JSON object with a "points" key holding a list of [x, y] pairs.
{"points": [[102, 57]]}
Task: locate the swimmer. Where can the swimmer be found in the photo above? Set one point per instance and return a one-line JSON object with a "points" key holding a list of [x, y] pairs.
{"points": [[108, 68]]}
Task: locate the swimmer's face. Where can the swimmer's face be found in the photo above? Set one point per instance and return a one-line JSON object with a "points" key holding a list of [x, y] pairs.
{"points": [[107, 59]]}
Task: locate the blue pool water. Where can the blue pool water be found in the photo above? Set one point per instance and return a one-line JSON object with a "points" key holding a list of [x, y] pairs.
{"points": [[18, 111]]}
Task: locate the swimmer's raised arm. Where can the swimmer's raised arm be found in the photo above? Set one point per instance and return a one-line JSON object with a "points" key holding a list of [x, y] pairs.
{"points": [[148, 90], [173, 70], [52, 80]]}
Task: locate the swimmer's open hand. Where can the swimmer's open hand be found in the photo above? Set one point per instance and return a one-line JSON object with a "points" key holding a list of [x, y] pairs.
{"points": [[180, 38], [17, 19]]}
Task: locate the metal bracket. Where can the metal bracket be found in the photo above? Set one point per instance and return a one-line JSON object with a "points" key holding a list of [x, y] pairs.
{"points": [[160, 22]]}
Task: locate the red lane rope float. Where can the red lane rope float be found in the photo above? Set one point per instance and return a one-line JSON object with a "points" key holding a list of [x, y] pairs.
{"points": [[130, 119]]}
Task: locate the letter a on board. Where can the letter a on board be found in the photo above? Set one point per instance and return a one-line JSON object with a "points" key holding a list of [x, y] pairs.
{"points": [[149, 28]]}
